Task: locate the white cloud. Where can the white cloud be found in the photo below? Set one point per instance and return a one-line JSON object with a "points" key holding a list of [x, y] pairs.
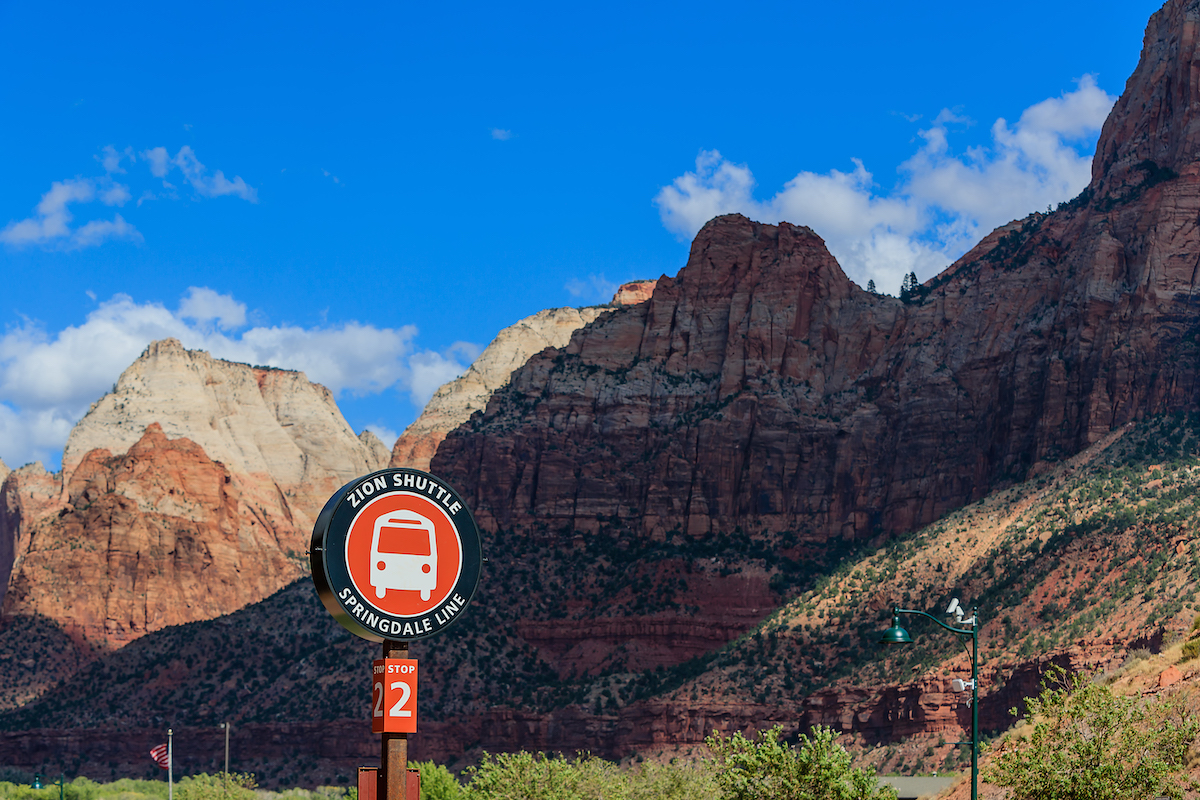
{"points": [[115, 195], [111, 158], [204, 305], [592, 289], [351, 357], [942, 205], [99, 231], [52, 213], [716, 187], [429, 371], [32, 436], [52, 216], [48, 380], [214, 186], [50, 224], [501, 135], [160, 161], [386, 435]]}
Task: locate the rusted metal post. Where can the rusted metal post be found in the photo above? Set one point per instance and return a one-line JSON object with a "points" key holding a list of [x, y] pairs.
{"points": [[393, 769]]}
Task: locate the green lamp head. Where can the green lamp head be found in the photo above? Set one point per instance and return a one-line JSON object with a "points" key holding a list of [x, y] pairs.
{"points": [[895, 634], [37, 782]]}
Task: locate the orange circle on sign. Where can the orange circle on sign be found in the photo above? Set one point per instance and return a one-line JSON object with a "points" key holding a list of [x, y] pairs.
{"points": [[404, 554]]}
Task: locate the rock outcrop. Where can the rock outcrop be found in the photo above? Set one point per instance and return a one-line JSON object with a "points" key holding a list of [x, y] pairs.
{"points": [[456, 401], [634, 292], [377, 452], [269, 423], [27, 493], [157, 536], [185, 494]]}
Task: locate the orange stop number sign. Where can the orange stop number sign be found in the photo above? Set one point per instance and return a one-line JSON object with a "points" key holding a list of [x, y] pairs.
{"points": [[394, 695]]}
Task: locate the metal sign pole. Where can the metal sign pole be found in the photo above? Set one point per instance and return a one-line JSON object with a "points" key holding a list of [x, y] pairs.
{"points": [[395, 558], [225, 725], [394, 760]]}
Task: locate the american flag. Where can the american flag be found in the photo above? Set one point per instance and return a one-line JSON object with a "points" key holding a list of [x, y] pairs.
{"points": [[159, 754]]}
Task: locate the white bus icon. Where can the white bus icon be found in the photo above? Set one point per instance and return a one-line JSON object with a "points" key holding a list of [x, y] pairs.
{"points": [[404, 554]]}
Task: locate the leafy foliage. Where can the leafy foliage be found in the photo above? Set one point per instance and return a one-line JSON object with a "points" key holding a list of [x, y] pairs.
{"points": [[1090, 744], [437, 782], [203, 786], [242, 786], [818, 768], [529, 776], [84, 789]]}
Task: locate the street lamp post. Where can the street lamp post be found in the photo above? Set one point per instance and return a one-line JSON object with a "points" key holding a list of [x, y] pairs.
{"points": [[225, 782], [37, 784], [897, 635]]}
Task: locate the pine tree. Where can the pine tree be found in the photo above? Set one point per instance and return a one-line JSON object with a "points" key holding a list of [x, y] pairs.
{"points": [[871, 286]]}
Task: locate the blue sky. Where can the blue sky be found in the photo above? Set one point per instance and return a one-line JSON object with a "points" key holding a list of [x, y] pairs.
{"points": [[371, 194]]}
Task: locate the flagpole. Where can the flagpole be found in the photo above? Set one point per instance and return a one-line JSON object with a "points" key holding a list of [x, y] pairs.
{"points": [[170, 769]]}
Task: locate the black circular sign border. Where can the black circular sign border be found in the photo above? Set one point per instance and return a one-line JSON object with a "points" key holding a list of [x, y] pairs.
{"points": [[331, 573]]}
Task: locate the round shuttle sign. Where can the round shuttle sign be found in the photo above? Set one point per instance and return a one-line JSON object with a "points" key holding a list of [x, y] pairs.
{"points": [[395, 555]]}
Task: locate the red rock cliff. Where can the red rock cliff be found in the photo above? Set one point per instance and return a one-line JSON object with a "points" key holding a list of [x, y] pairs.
{"points": [[158, 536], [761, 388]]}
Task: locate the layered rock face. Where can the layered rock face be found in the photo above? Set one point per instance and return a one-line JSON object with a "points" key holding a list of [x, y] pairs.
{"points": [[185, 494], [159, 535], [761, 388], [28, 493], [456, 401]]}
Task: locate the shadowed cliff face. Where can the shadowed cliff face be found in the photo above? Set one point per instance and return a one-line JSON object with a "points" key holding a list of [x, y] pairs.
{"points": [[761, 388]]}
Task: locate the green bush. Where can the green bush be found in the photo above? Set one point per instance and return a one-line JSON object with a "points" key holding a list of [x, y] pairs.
{"points": [[1190, 650], [1088, 742], [85, 789], [529, 776], [212, 787], [817, 768], [536, 776], [437, 782], [679, 780]]}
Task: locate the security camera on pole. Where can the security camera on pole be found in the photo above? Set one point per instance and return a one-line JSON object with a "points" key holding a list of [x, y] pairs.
{"points": [[395, 557]]}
